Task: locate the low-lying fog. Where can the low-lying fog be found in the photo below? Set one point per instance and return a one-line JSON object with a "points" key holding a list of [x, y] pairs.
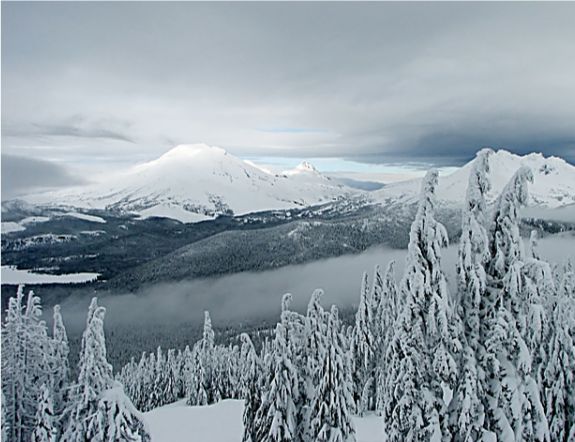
{"points": [[233, 298]]}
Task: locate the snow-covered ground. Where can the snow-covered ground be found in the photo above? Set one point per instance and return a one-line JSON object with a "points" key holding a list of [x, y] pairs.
{"points": [[222, 422], [85, 217], [12, 275], [174, 212], [11, 226]]}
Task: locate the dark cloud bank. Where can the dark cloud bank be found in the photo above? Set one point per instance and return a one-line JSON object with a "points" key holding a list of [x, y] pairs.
{"points": [[22, 175], [376, 82]]}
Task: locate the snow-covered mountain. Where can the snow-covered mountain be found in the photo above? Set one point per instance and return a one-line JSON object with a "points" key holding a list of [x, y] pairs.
{"points": [[196, 182], [553, 185]]}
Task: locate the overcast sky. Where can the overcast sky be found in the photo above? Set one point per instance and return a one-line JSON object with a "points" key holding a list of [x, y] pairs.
{"points": [[108, 84]]}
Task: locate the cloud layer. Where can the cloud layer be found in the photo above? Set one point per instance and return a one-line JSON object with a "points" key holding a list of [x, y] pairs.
{"points": [[21, 175], [374, 82]]}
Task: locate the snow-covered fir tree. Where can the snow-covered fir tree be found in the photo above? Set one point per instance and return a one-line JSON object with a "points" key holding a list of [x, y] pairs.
{"points": [[204, 394], [3, 425], [171, 378], [95, 377], [280, 422], [44, 428], [159, 376], [473, 248], [567, 282], [538, 295], [314, 349], [251, 389], [422, 367], [117, 419], [60, 362], [376, 296], [511, 398], [332, 405], [187, 372], [194, 378], [467, 408], [362, 346], [386, 314], [26, 363], [559, 373]]}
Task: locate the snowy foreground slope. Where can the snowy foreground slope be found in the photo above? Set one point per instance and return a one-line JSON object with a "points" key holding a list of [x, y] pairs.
{"points": [[222, 422], [196, 182], [553, 181]]}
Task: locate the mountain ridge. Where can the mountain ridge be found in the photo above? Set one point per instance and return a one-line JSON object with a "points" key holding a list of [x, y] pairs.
{"points": [[553, 185], [198, 182]]}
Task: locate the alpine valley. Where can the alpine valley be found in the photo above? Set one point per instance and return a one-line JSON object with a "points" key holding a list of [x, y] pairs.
{"points": [[193, 212]]}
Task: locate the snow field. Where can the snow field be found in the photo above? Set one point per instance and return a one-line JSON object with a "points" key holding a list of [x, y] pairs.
{"points": [[222, 422]]}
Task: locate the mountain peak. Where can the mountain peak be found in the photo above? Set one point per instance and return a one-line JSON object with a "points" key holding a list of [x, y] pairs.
{"points": [[188, 150], [306, 166], [554, 183]]}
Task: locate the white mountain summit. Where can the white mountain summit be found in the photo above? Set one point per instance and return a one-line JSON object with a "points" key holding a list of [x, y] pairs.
{"points": [[198, 182], [553, 185], [195, 182]]}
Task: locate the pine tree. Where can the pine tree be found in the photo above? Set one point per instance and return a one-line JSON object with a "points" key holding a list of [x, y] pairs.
{"points": [[559, 374], [511, 397], [117, 419], [61, 369], [26, 363], [377, 301], [261, 423], [44, 430], [157, 397], [205, 393], [250, 387], [279, 403], [505, 245], [170, 393], [533, 245], [3, 425], [188, 373], [473, 255], [314, 349], [194, 380], [150, 381], [567, 284], [473, 248], [95, 377], [422, 365], [386, 314], [362, 344], [333, 402], [282, 414], [537, 295]]}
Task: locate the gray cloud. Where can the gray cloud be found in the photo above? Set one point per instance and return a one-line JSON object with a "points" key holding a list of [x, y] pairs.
{"points": [[64, 129], [383, 81], [22, 175]]}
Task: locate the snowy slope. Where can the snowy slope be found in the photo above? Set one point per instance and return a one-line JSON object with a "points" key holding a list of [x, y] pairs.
{"points": [[195, 182], [222, 422], [553, 186]]}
